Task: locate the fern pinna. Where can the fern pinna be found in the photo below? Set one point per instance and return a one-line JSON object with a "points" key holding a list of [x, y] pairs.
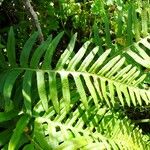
{"points": [[76, 104]]}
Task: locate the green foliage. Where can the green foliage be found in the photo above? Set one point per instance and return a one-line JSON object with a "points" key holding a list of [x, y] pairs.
{"points": [[72, 97], [79, 100]]}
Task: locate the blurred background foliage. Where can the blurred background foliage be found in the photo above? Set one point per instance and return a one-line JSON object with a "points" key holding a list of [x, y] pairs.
{"points": [[95, 19]]}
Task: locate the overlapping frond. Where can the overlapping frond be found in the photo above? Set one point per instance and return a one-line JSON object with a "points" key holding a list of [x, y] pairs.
{"points": [[71, 94], [100, 77], [95, 128]]}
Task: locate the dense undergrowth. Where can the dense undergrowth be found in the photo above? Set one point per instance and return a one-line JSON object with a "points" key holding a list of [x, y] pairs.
{"points": [[87, 86]]}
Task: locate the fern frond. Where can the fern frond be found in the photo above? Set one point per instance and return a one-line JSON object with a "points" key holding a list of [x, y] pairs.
{"points": [[72, 93], [103, 79], [93, 128], [99, 77]]}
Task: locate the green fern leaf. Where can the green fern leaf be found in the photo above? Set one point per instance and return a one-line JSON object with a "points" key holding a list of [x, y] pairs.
{"points": [[27, 49], [8, 86], [21, 124], [88, 129], [139, 54], [11, 48], [50, 51]]}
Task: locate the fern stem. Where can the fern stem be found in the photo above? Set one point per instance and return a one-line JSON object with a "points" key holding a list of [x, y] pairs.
{"points": [[34, 18]]}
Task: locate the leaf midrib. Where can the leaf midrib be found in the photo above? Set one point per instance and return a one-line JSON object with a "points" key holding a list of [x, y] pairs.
{"points": [[78, 73]]}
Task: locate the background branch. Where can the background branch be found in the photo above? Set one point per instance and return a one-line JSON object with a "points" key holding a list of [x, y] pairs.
{"points": [[34, 17]]}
